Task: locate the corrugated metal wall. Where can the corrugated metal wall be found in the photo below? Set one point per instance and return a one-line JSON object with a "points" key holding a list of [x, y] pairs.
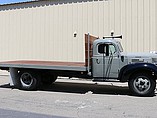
{"points": [[44, 30]]}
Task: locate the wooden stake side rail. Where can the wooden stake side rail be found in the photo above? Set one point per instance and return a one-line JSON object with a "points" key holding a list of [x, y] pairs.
{"points": [[52, 65]]}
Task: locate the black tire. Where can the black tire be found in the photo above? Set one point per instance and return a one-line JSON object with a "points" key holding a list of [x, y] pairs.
{"points": [[48, 79], [28, 80], [142, 84]]}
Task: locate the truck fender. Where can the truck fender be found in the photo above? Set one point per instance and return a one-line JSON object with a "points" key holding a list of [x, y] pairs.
{"points": [[129, 69]]}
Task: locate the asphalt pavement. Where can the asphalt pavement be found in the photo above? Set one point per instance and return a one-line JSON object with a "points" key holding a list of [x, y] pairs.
{"points": [[74, 99], [18, 114]]}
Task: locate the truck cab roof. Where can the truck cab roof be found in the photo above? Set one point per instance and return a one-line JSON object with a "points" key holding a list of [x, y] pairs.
{"points": [[113, 41], [108, 40]]}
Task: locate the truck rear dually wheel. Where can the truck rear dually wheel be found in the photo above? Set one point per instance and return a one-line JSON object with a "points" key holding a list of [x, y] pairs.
{"points": [[48, 79], [142, 84], [28, 80]]}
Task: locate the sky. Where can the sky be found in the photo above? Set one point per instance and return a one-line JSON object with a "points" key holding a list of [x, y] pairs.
{"points": [[12, 1]]}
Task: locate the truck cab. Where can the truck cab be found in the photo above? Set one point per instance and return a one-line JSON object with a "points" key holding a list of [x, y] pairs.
{"points": [[107, 59], [109, 62]]}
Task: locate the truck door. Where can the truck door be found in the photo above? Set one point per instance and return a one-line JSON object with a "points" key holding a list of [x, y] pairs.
{"points": [[106, 61]]}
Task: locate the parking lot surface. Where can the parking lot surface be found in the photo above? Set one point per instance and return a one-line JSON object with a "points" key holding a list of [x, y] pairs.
{"points": [[73, 98]]}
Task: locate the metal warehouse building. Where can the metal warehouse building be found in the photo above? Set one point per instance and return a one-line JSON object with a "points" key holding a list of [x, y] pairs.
{"points": [[44, 30]]}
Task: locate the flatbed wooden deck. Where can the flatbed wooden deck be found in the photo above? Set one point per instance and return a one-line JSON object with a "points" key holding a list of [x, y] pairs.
{"points": [[52, 65]]}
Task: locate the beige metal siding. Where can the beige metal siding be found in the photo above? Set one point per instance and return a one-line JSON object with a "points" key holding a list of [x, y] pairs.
{"points": [[44, 30]]}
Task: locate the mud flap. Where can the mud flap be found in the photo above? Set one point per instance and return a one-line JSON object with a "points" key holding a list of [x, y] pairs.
{"points": [[13, 76]]}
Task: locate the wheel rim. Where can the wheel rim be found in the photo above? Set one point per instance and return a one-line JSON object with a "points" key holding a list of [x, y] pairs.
{"points": [[142, 84], [26, 79]]}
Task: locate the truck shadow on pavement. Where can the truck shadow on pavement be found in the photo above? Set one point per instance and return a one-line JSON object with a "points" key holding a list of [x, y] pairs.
{"points": [[83, 88]]}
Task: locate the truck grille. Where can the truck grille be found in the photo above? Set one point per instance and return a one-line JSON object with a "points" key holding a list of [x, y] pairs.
{"points": [[137, 60]]}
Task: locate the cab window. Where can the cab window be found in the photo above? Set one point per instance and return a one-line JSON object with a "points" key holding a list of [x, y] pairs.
{"points": [[112, 49], [102, 48], [107, 49]]}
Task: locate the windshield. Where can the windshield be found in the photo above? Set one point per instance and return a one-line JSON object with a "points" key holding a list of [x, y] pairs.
{"points": [[120, 46]]}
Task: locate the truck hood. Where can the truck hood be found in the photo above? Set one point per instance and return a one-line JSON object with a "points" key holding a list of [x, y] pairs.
{"points": [[139, 55]]}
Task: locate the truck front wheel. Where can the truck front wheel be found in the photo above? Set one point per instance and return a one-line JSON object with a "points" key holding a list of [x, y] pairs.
{"points": [[142, 84], [28, 80]]}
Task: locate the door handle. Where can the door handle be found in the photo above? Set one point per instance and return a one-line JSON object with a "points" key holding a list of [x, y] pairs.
{"points": [[97, 61]]}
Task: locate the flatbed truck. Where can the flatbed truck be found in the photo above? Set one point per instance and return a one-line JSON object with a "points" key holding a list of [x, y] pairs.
{"points": [[105, 60]]}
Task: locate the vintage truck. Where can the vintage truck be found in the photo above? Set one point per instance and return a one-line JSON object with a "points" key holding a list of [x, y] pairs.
{"points": [[105, 60]]}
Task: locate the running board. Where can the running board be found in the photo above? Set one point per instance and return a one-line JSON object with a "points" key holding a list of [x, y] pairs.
{"points": [[105, 80]]}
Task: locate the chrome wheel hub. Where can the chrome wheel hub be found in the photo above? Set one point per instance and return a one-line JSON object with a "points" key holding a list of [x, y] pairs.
{"points": [[142, 84], [26, 79]]}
